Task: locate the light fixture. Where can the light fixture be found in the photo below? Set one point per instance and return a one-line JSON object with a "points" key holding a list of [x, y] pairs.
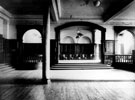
{"points": [[96, 3], [79, 34]]}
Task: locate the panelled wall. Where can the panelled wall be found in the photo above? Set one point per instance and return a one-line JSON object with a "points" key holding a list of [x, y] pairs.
{"points": [[12, 29], [8, 42]]}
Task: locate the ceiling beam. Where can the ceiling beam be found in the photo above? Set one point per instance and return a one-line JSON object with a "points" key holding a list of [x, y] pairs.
{"points": [[115, 9], [53, 10]]}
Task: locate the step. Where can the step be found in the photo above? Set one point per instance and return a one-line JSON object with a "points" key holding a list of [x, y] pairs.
{"points": [[80, 65], [85, 66], [6, 67]]}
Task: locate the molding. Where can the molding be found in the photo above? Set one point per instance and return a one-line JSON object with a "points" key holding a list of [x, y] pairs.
{"points": [[113, 22], [121, 22], [54, 11], [62, 20], [5, 13], [28, 19], [59, 7], [28, 16]]}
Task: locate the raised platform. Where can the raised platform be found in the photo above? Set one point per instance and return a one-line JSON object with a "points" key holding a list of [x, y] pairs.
{"points": [[80, 66], [80, 61]]}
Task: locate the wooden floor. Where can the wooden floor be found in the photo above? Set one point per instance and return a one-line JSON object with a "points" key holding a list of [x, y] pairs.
{"points": [[60, 89], [68, 90]]}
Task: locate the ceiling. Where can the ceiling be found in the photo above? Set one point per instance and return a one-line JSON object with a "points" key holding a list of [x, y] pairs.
{"points": [[24, 7], [72, 9], [85, 9]]}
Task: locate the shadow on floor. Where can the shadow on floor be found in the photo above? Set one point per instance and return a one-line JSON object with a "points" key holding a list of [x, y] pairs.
{"points": [[23, 81], [124, 66]]}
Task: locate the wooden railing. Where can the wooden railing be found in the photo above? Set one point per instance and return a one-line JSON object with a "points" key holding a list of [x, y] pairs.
{"points": [[109, 59], [124, 59], [76, 56], [76, 51], [32, 59]]}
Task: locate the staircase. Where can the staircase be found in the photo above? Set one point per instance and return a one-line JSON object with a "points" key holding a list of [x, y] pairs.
{"points": [[5, 68], [80, 66]]}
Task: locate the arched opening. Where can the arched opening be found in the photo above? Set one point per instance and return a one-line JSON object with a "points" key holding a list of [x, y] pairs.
{"points": [[31, 49], [88, 39], [32, 36], [125, 43]]}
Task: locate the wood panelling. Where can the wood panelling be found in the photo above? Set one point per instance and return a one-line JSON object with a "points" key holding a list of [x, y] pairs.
{"points": [[1, 49], [8, 51]]}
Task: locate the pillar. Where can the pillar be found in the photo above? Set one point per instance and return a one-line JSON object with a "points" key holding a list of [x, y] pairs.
{"points": [[97, 41], [45, 40]]}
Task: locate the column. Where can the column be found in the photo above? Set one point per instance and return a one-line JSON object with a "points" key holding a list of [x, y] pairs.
{"points": [[97, 45], [45, 40], [96, 52]]}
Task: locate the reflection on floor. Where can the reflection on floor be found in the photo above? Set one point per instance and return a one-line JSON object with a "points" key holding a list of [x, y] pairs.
{"points": [[68, 90], [109, 84], [101, 74]]}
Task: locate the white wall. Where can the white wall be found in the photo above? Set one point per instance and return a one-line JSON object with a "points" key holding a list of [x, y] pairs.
{"points": [[73, 33], [109, 31], [12, 33], [1, 26], [7, 26], [52, 31]]}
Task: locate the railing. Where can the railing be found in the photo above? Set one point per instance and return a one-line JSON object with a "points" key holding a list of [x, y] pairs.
{"points": [[76, 51], [76, 56], [109, 59], [124, 59], [32, 59]]}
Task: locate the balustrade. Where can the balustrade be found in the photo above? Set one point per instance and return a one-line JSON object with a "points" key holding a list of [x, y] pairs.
{"points": [[76, 51], [32, 59], [109, 59]]}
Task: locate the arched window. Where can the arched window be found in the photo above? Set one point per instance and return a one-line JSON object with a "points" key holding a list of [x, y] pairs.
{"points": [[32, 36]]}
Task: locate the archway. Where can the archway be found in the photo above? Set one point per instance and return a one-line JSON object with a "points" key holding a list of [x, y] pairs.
{"points": [[31, 49], [125, 43], [91, 44]]}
